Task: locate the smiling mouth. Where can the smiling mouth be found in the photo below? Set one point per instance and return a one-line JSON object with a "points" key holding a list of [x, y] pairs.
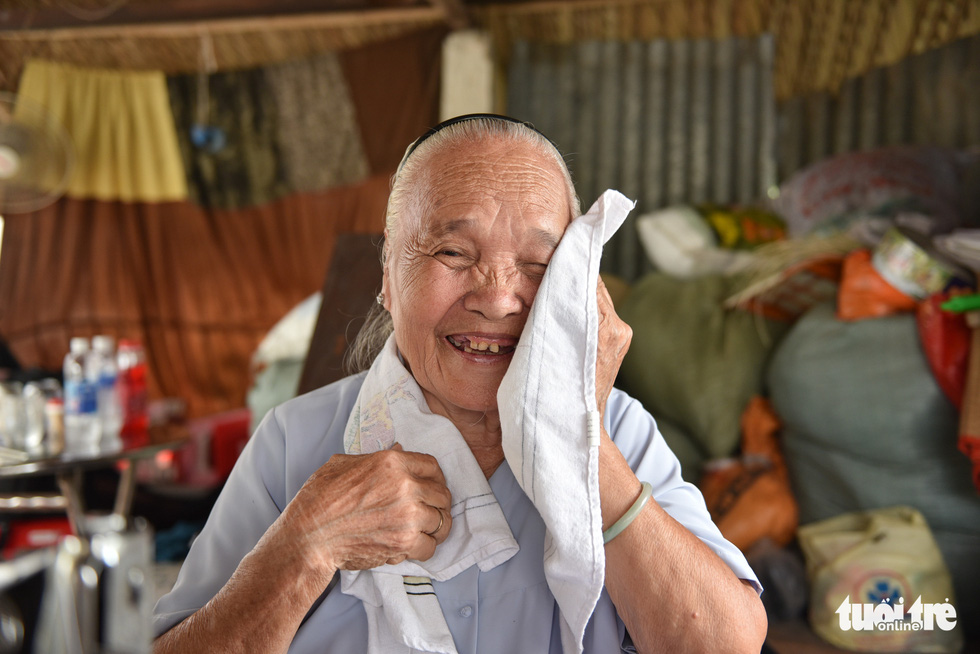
{"points": [[477, 346]]}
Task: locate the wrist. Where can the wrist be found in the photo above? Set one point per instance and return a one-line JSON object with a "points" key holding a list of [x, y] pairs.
{"points": [[618, 485], [285, 574], [295, 551], [627, 518]]}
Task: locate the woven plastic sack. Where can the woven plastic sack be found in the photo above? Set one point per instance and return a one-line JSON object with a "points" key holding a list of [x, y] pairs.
{"points": [[678, 241], [685, 448], [691, 360], [797, 289], [926, 179], [869, 569]]}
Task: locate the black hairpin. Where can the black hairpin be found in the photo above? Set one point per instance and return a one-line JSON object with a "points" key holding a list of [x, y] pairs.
{"points": [[467, 117]]}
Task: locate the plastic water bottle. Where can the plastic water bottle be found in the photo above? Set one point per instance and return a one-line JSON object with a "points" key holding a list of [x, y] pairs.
{"points": [[54, 426], [132, 392], [34, 403], [102, 371], [81, 416]]}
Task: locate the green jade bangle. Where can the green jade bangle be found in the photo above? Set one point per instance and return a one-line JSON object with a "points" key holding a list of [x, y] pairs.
{"points": [[617, 527]]}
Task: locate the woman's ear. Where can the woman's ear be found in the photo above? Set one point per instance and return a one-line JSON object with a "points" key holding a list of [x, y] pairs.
{"points": [[385, 258]]}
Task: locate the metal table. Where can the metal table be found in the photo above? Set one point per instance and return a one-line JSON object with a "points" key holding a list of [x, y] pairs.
{"points": [[67, 470]]}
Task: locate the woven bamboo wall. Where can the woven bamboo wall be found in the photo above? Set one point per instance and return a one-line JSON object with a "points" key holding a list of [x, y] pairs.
{"points": [[236, 44], [818, 43], [926, 99]]}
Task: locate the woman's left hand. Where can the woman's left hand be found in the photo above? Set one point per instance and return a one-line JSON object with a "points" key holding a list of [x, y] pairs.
{"points": [[614, 341]]}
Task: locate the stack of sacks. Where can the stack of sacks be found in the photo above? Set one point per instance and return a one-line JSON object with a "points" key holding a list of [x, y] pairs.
{"points": [[866, 426], [686, 346]]}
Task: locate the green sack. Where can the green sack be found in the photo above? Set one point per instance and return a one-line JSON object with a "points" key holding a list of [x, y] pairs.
{"points": [[691, 360]]}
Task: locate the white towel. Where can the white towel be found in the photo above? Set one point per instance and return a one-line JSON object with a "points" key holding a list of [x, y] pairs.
{"points": [[550, 420], [550, 439], [402, 611]]}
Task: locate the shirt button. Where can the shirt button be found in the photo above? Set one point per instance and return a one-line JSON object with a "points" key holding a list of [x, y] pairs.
{"points": [[466, 611]]}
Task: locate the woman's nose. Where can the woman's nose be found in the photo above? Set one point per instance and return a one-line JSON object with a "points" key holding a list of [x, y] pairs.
{"points": [[495, 297]]}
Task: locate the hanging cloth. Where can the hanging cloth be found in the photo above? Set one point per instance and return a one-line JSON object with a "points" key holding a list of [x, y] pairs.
{"points": [[318, 135], [242, 168], [125, 146]]}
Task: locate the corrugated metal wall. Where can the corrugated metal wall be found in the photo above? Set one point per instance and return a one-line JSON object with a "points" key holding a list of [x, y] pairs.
{"points": [[690, 121], [927, 99], [664, 122]]}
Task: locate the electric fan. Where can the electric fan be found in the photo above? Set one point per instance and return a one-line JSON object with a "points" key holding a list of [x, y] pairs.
{"points": [[35, 157]]}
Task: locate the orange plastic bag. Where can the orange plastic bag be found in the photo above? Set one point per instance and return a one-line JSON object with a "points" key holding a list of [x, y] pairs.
{"points": [[864, 293], [750, 498]]}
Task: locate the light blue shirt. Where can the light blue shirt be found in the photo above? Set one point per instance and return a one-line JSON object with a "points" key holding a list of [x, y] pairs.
{"points": [[507, 609]]}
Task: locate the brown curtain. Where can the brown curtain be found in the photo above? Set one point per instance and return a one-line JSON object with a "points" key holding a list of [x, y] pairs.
{"points": [[199, 288], [395, 89]]}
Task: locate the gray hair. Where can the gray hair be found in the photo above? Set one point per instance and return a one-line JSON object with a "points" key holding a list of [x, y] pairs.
{"points": [[405, 199]]}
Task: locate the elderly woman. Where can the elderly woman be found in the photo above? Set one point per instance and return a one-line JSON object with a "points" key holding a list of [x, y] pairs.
{"points": [[477, 209]]}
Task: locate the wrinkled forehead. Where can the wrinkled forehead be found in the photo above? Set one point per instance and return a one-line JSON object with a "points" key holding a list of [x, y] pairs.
{"points": [[488, 178]]}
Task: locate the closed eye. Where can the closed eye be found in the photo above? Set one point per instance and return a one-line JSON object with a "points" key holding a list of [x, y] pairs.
{"points": [[534, 269], [453, 258]]}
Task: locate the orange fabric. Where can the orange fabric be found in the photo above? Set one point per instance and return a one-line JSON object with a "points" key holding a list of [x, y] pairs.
{"points": [[864, 293], [750, 498], [199, 288]]}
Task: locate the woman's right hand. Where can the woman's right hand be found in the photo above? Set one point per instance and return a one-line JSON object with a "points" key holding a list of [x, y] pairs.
{"points": [[354, 512], [361, 511]]}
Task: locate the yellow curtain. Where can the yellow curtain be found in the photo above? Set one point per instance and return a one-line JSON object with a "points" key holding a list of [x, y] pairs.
{"points": [[120, 123]]}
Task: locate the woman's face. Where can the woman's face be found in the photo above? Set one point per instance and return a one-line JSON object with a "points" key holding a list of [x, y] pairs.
{"points": [[461, 277]]}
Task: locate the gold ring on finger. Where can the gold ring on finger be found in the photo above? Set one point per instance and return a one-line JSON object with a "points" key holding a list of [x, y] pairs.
{"points": [[436, 530]]}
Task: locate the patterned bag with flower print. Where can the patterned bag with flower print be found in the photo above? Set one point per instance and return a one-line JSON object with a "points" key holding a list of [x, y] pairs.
{"points": [[878, 583]]}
